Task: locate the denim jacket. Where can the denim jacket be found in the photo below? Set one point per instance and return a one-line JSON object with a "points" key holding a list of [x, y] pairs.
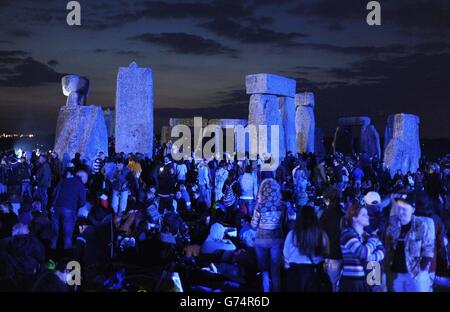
{"points": [[419, 242]]}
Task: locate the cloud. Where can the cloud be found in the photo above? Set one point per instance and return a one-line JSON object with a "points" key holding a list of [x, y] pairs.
{"points": [[183, 43], [25, 72], [20, 33], [251, 34], [422, 15], [53, 63], [128, 53], [100, 50]]}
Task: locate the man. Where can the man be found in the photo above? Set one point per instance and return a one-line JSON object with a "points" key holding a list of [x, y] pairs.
{"points": [[24, 254], [43, 180], [220, 178], [69, 196], [121, 187], [24, 174], [249, 189], [410, 242], [331, 222]]}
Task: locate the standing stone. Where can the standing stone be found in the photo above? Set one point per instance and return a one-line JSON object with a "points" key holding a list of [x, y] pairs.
{"points": [[80, 129], [76, 88], [287, 111], [134, 110], [403, 152], [370, 141], [165, 134], [264, 110], [305, 122], [265, 89], [270, 84], [356, 135]]}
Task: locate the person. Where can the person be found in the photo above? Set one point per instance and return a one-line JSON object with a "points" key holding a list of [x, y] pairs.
{"points": [[410, 243], [249, 189], [181, 172], [69, 196], [204, 184], [305, 249], [300, 185], [24, 174], [43, 180], [24, 255], [53, 280], [358, 175], [120, 182], [220, 178], [268, 221], [358, 249], [216, 241], [331, 222], [7, 220]]}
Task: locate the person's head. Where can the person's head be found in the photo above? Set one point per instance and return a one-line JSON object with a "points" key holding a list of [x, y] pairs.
{"points": [[77, 155], [101, 155], [178, 195], [20, 229], [357, 215], [332, 196], [42, 159], [151, 194], [182, 187], [269, 194], [372, 199], [54, 155], [217, 232], [83, 175], [119, 163], [36, 206], [308, 233], [406, 205]]}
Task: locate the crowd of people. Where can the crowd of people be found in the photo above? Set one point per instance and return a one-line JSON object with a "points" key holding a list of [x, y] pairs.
{"points": [[338, 224]]}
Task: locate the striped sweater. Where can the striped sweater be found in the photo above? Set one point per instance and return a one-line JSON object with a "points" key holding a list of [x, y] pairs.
{"points": [[357, 251]]}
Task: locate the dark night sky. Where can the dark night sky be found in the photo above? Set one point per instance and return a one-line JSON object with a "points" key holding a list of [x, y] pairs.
{"points": [[200, 52]]}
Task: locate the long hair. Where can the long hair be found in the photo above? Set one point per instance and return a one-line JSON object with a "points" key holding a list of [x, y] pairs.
{"points": [[308, 235], [353, 210]]}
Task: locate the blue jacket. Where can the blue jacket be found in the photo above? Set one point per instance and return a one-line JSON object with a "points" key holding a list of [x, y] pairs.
{"points": [[70, 193]]}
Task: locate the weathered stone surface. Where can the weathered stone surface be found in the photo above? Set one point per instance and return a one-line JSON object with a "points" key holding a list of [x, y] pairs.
{"points": [[110, 119], [354, 121], [370, 141], [81, 129], [403, 152], [344, 140], [287, 111], [264, 110], [305, 123], [134, 110], [76, 88], [165, 134], [270, 84], [305, 99]]}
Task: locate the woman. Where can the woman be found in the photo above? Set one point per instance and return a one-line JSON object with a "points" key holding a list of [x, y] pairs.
{"points": [[358, 248], [268, 222], [304, 251]]}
